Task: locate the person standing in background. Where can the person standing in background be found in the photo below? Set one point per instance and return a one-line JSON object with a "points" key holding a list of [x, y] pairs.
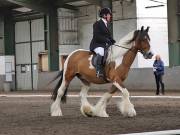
{"points": [[158, 68]]}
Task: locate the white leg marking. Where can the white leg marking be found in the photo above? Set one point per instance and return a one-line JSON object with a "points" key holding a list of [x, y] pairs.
{"points": [[126, 107], [100, 107], [55, 107], [86, 107], [90, 59]]}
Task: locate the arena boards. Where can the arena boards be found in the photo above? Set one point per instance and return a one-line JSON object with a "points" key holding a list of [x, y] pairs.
{"points": [[166, 132], [89, 96]]}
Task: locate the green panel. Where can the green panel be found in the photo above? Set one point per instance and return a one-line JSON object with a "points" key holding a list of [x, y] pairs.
{"points": [[52, 40], [9, 34], [174, 54]]}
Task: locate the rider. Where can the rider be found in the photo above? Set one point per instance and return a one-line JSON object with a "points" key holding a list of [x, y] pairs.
{"points": [[102, 38]]}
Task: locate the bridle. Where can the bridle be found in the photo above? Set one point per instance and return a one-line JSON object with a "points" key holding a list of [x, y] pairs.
{"points": [[145, 54]]}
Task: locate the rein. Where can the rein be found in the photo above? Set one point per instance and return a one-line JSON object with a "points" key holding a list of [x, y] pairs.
{"points": [[124, 47], [121, 46]]}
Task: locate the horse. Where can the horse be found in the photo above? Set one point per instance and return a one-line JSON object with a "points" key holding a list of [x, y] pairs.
{"points": [[118, 63]]}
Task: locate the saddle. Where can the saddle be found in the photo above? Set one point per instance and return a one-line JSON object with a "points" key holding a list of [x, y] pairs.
{"points": [[94, 58], [94, 63]]}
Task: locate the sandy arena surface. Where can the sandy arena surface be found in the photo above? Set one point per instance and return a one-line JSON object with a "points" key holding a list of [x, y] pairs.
{"points": [[31, 116]]}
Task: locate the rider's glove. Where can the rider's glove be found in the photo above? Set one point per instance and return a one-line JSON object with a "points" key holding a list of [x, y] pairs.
{"points": [[108, 41], [113, 41]]}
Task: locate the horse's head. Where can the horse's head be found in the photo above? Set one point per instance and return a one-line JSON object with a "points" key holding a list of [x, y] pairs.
{"points": [[142, 39]]}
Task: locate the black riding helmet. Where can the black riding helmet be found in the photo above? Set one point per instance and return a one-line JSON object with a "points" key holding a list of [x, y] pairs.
{"points": [[104, 11]]}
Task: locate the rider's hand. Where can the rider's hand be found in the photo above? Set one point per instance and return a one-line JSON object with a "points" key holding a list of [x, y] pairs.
{"points": [[113, 41], [108, 41]]}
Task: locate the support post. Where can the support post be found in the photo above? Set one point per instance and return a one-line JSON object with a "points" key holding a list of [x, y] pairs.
{"points": [[52, 39], [9, 41]]}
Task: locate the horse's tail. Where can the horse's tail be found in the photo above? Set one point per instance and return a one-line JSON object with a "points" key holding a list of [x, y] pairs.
{"points": [[54, 94]]}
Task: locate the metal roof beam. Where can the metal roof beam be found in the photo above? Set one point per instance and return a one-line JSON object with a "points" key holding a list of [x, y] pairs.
{"points": [[31, 5], [95, 2], [60, 3], [69, 7]]}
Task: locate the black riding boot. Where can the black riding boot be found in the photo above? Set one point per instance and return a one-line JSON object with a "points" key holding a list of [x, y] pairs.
{"points": [[99, 66]]}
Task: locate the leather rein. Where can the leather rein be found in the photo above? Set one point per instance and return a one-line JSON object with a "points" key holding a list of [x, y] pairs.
{"points": [[125, 47]]}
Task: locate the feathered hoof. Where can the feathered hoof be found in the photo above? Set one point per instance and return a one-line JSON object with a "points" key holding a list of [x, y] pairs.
{"points": [[127, 109], [132, 112], [87, 111], [103, 114], [55, 110]]}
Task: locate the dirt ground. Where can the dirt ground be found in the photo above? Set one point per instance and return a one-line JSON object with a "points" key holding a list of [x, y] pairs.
{"points": [[31, 116]]}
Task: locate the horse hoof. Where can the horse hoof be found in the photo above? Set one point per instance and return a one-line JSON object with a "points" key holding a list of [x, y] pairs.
{"points": [[104, 115], [55, 110], [56, 114], [86, 111], [127, 110], [132, 112]]}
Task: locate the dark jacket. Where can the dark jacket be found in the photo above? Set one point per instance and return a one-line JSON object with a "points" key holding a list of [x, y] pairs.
{"points": [[100, 35], [159, 66]]}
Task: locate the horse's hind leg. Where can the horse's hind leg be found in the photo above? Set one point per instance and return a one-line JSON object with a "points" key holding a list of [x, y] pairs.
{"points": [[61, 93], [55, 107], [126, 107]]}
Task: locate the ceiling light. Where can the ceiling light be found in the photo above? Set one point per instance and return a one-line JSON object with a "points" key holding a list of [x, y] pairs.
{"points": [[23, 9]]}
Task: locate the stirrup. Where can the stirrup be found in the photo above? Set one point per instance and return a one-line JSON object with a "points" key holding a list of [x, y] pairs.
{"points": [[98, 75]]}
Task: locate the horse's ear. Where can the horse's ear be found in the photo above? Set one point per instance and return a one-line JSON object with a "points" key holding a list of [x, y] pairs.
{"points": [[147, 29], [142, 28]]}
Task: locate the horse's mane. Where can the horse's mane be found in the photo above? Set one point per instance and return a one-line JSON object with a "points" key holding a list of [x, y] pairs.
{"points": [[136, 33], [116, 51], [125, 40]]}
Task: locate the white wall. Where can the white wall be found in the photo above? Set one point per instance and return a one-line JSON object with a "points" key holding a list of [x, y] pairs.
{"points": [[124, 21], [7, 61], [2, 64], [142, 11], [156, 18], [67, 31], [87, 16]]}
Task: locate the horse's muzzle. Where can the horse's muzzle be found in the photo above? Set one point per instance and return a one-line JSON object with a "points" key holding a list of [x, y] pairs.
{"points": [[148, 55]]}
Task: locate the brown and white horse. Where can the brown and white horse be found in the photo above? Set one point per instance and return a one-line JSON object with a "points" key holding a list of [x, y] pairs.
{"points": [[117, 66]]}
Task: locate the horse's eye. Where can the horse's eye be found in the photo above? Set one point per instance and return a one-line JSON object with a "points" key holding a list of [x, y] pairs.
{"points": [[145, 37]]}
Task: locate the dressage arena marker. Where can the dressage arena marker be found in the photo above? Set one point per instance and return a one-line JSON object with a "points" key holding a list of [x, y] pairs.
{"points": [[89, 96], [165, 132]]}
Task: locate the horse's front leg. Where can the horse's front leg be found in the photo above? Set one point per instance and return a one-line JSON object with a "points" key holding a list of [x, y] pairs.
{"points": [[126, 107], [86, 107], [100, 107]]}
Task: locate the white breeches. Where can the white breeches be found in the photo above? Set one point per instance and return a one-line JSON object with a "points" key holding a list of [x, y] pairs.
{"points": [[99, 50]]}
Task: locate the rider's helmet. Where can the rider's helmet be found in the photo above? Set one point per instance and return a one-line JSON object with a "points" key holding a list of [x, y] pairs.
{"points": [[104, 11]]}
